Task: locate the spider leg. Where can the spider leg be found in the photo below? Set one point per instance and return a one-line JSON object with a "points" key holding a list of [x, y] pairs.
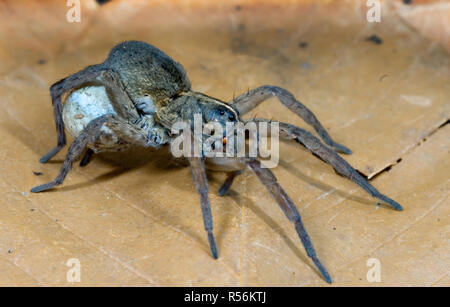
{"points": [[122, 102], [201, 184], [269, 180], [129, 125], [88, 135], [56, 92], [250, 100], [228, 182], [341, 166], [125, 132], [87, 157]]}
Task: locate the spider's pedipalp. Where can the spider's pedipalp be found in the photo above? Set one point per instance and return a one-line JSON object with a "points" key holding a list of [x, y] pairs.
{"points": [[269, 180], [250, 100]]}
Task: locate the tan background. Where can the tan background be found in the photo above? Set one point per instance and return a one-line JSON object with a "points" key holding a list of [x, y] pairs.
{"points": [[136, 219]]}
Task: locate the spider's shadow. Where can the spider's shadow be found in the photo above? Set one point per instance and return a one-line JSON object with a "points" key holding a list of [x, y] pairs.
{"points": [[294, 246], [121, 163], [152, 162]]}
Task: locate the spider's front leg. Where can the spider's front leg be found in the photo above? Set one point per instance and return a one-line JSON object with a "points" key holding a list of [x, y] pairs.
{"points": [[341, 166], [250, 100], [201, 184], [269, 180]]}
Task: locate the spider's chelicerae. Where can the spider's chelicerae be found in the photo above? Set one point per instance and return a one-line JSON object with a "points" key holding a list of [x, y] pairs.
{"points": [[146, 93]]}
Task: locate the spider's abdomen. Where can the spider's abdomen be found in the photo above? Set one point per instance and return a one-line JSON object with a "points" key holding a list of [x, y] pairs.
{"points": [[146, 71]]}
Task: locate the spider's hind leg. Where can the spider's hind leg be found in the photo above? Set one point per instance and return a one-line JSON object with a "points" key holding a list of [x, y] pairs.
{"points": [[56, 92], [87, 157], [88, 135], [228, 182]]}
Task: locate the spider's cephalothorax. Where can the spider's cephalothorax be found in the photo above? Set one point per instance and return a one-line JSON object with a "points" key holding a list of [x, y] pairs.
{"points": [[139, 92]]}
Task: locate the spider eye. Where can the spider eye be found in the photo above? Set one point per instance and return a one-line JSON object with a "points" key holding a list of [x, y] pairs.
{"points": [[222, 112], [231, 117]]}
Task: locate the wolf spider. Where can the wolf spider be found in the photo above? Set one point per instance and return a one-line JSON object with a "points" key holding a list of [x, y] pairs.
{"points": [[146, 93]]}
